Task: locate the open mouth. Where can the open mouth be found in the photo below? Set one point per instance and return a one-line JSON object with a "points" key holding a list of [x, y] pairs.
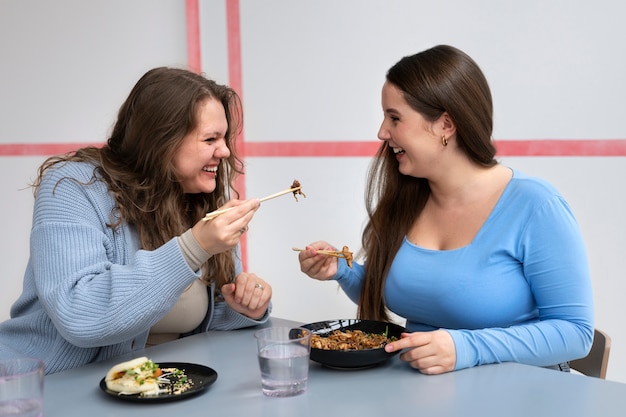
{"points": [[398, 150]]}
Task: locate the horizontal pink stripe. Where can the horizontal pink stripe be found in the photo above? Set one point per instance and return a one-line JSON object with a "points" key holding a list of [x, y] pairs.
{"points": [[553, 147], [550, 147], [282, 149], [40, 149], [546, 147]]}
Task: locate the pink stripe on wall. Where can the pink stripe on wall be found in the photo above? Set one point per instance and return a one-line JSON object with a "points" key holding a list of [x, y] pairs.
{"points": [[193, 35], [555, 147], [233, 33], [544, 147], [40, 149], [233, 38]]}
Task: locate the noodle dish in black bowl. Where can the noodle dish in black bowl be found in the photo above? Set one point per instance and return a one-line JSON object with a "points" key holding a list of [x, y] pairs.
{"points": [[352, 343]]}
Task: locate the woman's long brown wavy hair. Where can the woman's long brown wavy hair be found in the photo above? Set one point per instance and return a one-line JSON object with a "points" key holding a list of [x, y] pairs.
{"points": [[136, 161], [440, 79]]}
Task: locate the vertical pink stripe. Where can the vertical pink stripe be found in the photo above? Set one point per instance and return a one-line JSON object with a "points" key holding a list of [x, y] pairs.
{"points": [[233, 33], [193, 36], [234, 57]]}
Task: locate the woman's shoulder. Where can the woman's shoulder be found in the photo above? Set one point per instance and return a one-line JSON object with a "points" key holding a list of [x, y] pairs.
{"points": [[80, 172], [68, 175], [69, 189], [73, 169], [530, 186]]}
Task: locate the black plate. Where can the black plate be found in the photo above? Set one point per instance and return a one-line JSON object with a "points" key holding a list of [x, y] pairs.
{"points": [[352, 359], [201, 376]]}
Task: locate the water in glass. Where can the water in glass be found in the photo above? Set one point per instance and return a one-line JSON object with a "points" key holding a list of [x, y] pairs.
{"points": [[284, 369]]}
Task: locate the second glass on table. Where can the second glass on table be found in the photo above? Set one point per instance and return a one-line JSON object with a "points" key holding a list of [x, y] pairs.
{"points": [[283, 354], [21, 387]]}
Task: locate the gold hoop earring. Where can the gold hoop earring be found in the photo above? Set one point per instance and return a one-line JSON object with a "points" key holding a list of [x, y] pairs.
{"points": [[444, 141]]}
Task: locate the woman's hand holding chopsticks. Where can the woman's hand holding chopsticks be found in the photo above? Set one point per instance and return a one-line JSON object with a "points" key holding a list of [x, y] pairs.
{"points": [[224, 232], [343, 253], [315, 263]]}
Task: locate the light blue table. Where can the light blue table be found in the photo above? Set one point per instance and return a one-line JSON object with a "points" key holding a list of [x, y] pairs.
{"points": [[392, 389]]}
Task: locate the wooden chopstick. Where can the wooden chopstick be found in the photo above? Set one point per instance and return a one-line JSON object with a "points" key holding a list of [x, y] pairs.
{"points": [[278, 194], [345, 253], [216, 213], [335, 253]]}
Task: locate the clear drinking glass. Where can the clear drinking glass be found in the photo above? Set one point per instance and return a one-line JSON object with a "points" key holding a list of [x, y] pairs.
{"points": [[283, 354], [21, 387]]}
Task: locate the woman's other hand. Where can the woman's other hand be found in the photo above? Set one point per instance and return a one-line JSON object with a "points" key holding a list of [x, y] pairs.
{"points": [[315, 265], [224, 231], [248, 295], [429, 352]]}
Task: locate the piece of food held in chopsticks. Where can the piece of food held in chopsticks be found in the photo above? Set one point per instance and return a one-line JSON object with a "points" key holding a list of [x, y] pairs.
{"points": [[344, 253], [295, 188]]}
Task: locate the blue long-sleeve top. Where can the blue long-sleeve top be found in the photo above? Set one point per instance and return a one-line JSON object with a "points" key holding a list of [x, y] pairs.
{"points": [[520, 291], [90, 293]]}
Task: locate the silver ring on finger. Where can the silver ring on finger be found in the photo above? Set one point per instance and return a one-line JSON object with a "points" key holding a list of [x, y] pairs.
{"points": [[259, 286]]}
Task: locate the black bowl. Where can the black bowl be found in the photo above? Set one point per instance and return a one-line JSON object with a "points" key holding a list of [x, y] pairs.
{"points": [[351, 359]]}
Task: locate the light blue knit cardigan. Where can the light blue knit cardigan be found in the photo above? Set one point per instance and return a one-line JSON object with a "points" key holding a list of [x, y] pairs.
{"points": [[89, 293]]}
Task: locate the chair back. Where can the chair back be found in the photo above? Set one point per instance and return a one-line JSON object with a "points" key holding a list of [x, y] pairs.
{"points": [[597, 361]]}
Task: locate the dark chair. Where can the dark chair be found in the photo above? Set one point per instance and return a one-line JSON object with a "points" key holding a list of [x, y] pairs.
{"points": [[596, 362]]}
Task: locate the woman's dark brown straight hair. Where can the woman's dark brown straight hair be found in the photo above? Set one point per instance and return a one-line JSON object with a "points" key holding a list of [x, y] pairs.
{"points": [[437, 80]]}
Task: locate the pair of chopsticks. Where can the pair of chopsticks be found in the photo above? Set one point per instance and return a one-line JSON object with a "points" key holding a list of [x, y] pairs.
{"points": [[335, 253], [344, 253], [293, 190]]}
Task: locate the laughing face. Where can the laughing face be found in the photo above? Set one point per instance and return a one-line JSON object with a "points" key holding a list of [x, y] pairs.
{"points": [[408, 133], [202, 149]]}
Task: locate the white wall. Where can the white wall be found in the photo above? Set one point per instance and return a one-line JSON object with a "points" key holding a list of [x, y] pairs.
{"points": [[312, 71], [67, 66]]}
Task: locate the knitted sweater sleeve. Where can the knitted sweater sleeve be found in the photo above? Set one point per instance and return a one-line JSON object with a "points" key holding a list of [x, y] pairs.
{"points": [[92, 282]]}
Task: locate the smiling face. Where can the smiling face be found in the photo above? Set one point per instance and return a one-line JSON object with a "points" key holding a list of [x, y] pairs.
{"points": [[201, 150], [412, 137]]}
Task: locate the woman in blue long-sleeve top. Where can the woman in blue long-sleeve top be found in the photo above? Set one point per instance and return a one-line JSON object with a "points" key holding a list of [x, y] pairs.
{"points": [[120, 256], [486, 264]]}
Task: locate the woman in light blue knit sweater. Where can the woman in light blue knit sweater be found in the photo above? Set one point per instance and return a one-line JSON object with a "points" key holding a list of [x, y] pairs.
{"points": [[120, 257]]}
